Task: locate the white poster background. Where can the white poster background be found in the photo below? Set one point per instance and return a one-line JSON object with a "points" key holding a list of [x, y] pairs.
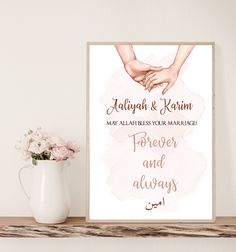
{"points": [[103, 204]]}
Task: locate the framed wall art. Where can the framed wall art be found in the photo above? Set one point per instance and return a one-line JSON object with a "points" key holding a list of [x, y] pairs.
{"points": [[150, 132]]}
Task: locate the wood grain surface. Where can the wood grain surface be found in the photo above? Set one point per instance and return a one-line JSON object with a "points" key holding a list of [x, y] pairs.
{"points": [[77, 227]]}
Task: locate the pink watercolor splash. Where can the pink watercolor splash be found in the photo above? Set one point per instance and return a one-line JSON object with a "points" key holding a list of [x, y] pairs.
{"points": [[182, 163]]}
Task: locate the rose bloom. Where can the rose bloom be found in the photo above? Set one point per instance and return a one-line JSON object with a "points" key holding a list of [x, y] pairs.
{"points": [[25, 143], [26, 154], [37, 135], [38, 147], [61, 153], [73, 146], [56, 141]]}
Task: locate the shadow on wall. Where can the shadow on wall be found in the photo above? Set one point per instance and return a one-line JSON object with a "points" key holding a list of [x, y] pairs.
{"points": [[223, 152]]}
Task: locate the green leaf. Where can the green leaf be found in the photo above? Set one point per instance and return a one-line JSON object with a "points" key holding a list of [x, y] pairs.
{"points": [[34, 161]]}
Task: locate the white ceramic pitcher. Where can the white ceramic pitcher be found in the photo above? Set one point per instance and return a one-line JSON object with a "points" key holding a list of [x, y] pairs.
{"points": [[49, 199]]}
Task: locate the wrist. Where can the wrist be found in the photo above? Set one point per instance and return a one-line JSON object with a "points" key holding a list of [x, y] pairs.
{"points": [[175, 68], [129, 61], [128, 65]]}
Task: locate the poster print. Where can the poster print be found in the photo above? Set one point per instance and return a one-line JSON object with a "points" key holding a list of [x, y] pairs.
{"points": [[150, 132]]}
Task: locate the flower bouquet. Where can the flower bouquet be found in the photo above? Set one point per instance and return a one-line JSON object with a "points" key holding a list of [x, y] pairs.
{"points": [[39, 145]]}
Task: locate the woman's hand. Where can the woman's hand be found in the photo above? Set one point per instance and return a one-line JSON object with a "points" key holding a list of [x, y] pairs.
{"points": [[168, 75], [157, 78]]}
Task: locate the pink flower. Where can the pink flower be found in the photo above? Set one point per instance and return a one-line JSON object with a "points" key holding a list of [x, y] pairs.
{"points": [[72, 146], [61, 153], [25, 143], [56, 141], [38, 147], [36, 142], [36, 135], [26, 154]]}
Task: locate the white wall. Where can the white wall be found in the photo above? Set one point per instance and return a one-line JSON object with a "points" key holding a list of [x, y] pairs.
{"points": [[43, 83]]}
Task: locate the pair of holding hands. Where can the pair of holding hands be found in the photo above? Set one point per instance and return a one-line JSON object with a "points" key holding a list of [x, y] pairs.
{"points": [[150, 76]]}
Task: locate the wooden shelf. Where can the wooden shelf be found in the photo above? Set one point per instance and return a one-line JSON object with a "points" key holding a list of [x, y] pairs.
{"points": [[77, 227]]}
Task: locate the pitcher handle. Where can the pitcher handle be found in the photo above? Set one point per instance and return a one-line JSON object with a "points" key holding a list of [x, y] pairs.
{"points": [[20, 180]]}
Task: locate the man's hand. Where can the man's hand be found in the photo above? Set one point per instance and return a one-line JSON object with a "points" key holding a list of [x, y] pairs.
{"points": [[138, 70]]}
